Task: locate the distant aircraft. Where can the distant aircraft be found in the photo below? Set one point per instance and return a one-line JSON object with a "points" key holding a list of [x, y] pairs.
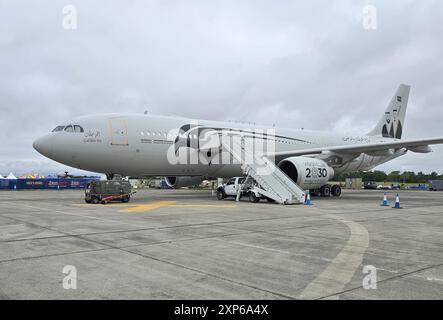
{"points": [[188, 151]]}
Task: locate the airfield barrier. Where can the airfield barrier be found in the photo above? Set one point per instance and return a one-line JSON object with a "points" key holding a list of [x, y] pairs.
{"points": [[42, 184]]}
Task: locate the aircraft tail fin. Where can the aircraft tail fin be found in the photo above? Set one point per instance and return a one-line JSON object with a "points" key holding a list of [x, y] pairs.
{"points": [[392, 121]]}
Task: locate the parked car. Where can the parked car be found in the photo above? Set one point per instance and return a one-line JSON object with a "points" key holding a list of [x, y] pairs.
{"points": [[244, 187], [370, 185], [230, 188]]}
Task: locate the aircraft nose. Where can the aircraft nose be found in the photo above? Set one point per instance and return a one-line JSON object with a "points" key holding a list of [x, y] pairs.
{"points": [[43, 145]]}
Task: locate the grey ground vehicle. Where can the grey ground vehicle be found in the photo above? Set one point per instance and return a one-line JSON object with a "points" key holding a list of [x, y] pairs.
{"points": [[107, 191], [370, 185], [436, 185]]}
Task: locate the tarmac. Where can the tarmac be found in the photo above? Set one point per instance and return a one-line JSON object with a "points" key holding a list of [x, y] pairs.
{"points": [[186, 244]]}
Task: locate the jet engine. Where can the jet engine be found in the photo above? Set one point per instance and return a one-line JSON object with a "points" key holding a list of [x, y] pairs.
{"points": [[308, 173], [185, 181]]}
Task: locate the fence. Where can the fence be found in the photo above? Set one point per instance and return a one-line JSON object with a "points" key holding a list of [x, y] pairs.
{"points": [[44, 184]]}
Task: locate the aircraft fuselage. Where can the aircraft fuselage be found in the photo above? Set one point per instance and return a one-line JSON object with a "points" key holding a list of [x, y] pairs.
{"points": [[138, 145]]}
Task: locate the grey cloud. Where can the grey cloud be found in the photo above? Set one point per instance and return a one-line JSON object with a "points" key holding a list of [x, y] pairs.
{"points": [[289, 63]]}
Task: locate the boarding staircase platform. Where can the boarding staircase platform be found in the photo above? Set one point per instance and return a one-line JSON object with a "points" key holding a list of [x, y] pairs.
{"points": [[272, 182]]}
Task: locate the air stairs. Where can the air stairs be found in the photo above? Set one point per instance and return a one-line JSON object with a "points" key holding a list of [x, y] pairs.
{"points": [[272, 182]]}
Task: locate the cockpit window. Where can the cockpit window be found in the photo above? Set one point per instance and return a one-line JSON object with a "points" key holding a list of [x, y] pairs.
{"points": [[58, 128], [69, 129], [78, 128]]}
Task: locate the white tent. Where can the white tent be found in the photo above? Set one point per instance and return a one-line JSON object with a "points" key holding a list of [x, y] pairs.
{"points": [[11, 177]]}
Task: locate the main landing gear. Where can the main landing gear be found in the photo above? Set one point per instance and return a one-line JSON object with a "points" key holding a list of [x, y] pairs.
{"points": [[327, 190]]}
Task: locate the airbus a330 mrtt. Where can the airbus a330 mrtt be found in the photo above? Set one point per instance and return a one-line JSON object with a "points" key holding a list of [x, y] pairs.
{"points": [[141, 145]]}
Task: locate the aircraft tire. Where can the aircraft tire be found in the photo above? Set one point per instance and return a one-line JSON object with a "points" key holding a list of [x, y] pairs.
{"points": [[253, 197], [325, 191], [336, 191]]}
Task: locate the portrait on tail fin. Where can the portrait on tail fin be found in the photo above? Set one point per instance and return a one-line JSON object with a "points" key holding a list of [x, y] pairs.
{"points": [[392, 128], [387, 127], [391, 123], [398, 132]]}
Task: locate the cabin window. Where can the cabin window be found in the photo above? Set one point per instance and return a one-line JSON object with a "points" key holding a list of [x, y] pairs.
{"points": [[78, 128], [69, 129], [59, 128], [231, 181]]}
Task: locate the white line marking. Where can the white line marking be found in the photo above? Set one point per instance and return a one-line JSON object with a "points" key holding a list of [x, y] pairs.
{"points": [[342, 268], [275, 250], [75, 214]]}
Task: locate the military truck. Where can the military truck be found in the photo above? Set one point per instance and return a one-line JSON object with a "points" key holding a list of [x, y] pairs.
{"points": [[107, 191]]}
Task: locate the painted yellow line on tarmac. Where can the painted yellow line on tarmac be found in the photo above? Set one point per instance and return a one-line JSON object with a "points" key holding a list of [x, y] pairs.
{"points": [[149, 206], [161, 204], [102, 205], [144, 207], [204, 205]]}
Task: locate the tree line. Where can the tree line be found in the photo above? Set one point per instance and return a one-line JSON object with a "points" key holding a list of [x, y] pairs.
{"points": [[394, 176]]}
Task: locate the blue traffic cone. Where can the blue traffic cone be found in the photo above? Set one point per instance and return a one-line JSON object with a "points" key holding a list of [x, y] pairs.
{"points": [[397, 202], [385, 201], [308, 199]]}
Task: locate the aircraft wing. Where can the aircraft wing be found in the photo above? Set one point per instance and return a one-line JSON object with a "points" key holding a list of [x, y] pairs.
{"points": [[417, 145]]}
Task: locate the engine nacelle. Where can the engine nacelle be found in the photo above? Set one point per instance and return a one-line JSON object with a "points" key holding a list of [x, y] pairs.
{"points": [[308, 173], [179, 182]]}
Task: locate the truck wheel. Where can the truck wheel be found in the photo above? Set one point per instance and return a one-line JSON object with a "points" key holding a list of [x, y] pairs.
{"points": [[87, 201], [253, 197], [104, 202], [325, 191], [220, 195], [95, 200], [125, 199], [336, 191]]}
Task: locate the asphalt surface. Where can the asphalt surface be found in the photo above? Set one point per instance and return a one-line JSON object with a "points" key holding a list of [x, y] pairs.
{"points": [[185, 244]]}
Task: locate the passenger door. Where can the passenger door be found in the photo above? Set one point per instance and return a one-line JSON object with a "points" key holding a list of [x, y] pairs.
{"points": [[119, 132], [230, 189]]}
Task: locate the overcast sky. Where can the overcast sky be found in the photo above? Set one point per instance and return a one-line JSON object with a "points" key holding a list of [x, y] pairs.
{"points": [[307, 64]]}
